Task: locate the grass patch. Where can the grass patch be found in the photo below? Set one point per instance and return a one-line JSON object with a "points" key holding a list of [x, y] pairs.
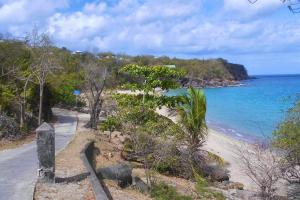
{"points": [[162, 191], [217, 159]]}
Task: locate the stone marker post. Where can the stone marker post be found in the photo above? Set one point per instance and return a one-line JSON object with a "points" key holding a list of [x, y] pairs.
{"points": [[46, 152]]}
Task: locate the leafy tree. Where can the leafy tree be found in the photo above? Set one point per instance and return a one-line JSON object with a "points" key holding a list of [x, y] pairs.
{"points": [[63, 85], [192, 115], [148, 78], [15, 63], [111, 124], [287, 138]]}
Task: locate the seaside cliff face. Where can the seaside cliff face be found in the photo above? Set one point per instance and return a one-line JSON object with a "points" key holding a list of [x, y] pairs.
{"points": [[199, 72], [214, 73]]}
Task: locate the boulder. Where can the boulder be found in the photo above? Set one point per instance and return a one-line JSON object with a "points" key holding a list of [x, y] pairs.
{"points": [[215, 173], [122, 173], [140, 185], [229, 185]]}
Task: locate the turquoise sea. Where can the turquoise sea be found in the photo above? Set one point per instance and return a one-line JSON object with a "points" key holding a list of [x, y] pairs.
{"points": [[251, 111]]}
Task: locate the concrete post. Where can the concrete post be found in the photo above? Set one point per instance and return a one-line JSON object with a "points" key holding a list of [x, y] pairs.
{"points": [[46, 152]]}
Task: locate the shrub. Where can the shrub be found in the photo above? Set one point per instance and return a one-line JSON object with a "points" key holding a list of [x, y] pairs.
{"points": [[287, 136], [167, 158], [8, 127]]}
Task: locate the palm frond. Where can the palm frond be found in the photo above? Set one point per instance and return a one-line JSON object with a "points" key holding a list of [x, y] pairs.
{"points": [[192, 113]]}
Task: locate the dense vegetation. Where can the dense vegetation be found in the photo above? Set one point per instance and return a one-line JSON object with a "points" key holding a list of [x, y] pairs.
{"points": [[195, 68], [153, 140], [287, 138], [20, 86]]}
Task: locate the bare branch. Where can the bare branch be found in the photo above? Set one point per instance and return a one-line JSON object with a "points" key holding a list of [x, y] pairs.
{"points": [[261, 164]]}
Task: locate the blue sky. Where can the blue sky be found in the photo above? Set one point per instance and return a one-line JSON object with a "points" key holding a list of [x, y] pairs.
{"points": [[265, 37]]}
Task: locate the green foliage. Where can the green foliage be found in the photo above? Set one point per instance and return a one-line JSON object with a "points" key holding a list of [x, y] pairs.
{"points": [[63, 85], [151, 77], [287, 135], [195, 68], [15, 70], [48, 101], [166, 165], [6, 97], [15, 59], [147, 78], [162, 191], [125, 100], [146, 119], [192, 112], [149, 131], [111, 124]]}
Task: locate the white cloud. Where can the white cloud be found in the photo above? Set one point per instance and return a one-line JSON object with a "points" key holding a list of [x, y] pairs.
{"points": [[158, 26], [244, 9], [95, 7], [25, 10], [76, 26]]}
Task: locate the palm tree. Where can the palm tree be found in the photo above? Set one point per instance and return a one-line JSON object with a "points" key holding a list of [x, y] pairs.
{"points": [[192, 114]]}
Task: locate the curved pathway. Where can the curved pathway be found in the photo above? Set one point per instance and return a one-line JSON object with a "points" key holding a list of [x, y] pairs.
{"points": [[18, 167]]}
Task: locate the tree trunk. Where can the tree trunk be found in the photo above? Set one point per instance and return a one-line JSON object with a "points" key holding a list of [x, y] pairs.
{"points": [[22, 114], [41, 103], [94, 117], [110, 136]]}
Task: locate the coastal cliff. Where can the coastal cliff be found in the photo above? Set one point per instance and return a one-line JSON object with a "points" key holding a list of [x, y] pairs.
{"points": [[213, 73], [199, 72]]}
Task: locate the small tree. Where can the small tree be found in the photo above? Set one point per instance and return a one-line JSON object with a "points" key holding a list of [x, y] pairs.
{"points": [[144, 145], [43, 62], [261, 164], [141, 118], [192, 113], [287, 139], [111, 124], [147, 78], [95, 78]]}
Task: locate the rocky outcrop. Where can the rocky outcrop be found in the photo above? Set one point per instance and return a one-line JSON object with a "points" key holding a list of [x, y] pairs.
{"points": [[213, 83], [215, 73], [237, 71], [215, 172]]}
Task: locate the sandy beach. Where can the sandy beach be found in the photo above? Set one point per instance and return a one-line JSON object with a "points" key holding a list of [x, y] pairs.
{"points": [[225, 147]]}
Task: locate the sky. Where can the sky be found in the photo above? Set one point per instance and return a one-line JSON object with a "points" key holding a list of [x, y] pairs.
{"points": [[265, 36]]}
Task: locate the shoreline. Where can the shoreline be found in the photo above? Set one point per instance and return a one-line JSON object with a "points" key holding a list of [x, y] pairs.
{"points": [[234, 133], [239, 84]]}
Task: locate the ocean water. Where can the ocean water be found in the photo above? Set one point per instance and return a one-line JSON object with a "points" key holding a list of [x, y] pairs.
{"points": [[251, 111]]}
